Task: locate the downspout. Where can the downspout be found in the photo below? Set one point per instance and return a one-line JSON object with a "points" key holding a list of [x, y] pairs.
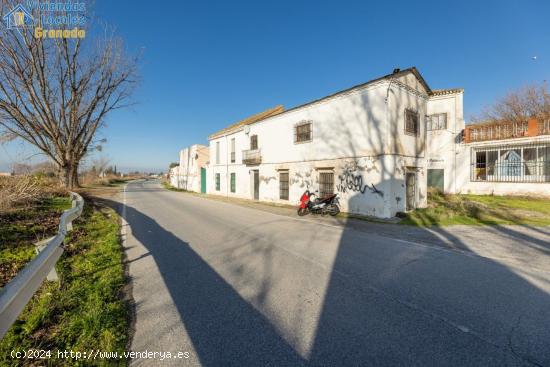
{"points": [[387, 141], [227, 179]]}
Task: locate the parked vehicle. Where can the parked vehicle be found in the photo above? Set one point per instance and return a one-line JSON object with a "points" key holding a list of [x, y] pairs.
{"points": [[310, 203]]}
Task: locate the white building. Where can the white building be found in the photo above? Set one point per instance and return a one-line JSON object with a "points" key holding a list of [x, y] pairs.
{"points": [[506, 158], [190, 175], [367, 143]]}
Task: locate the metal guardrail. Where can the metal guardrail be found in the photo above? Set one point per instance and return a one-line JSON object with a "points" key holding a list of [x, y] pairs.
{"points": [[18, 292]]}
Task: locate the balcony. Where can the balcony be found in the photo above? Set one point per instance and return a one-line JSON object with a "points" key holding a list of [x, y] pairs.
{"points": [[252, 156], [506, 130]]}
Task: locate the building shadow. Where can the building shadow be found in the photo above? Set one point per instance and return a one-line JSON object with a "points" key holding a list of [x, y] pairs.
{"points": [[225, 329], [397, 304], [385, 304]]}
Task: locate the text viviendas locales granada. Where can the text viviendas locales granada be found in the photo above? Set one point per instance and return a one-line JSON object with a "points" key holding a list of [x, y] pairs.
{"points": [[59, 19]]}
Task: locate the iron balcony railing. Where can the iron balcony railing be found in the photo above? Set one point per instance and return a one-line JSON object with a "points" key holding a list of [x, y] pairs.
{"points": [[506, 130], [252, 156]]}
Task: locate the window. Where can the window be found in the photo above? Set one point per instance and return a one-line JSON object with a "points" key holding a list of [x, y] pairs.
{"points": [[303, 132], [437, 121], [481, 166], [511, 163], [283, 185], [233, 150], [217, 182], [254, 142], [326, 184], [411, 122], [530, 159], [233, 182], [217, 152]]}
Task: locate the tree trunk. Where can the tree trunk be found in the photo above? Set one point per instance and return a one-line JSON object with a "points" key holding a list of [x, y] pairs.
{"points": [[74, 176], [69, 175]]}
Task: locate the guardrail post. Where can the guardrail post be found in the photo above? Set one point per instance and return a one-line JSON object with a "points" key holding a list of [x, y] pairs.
{"points": [[16, 294], [40, 246]]}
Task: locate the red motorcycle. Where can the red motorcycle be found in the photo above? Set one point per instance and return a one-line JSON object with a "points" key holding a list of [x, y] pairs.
{"points": [[328, 205]]}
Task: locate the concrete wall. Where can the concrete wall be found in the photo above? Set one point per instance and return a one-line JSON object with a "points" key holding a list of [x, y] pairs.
{"points": [[357, 136]]}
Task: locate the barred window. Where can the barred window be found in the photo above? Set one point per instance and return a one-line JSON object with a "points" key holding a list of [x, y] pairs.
{"points": [[411, 122], [511, 163], [233, 182], [437, 121], [254, 142], [283, 185], [303, 132], [233, 150], [217, 182], [326, 184]]}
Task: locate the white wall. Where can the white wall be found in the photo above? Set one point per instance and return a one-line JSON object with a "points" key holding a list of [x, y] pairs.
{"points": [[187, 176], [443, 146], [356, 135], [466, 186]]}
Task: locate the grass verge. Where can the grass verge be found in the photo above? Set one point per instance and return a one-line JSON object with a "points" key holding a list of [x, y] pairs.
{"points": [[84, 310], [23, 226], [480, 210], [167, 186]]}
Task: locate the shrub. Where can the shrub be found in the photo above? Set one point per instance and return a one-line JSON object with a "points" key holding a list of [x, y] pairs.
{"points": [[27, 189]]}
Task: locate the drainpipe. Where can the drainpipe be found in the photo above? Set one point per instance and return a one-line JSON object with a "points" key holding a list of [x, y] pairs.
{"points": [[387, 139], [227, 180]]}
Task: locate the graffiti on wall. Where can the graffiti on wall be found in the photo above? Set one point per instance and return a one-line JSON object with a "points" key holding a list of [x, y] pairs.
{"points": [[351, 180], [302, 179]]}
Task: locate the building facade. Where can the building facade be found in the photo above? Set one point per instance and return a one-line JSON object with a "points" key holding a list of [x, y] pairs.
{"points": [[367, 143], [506, 158], [191, 174], [378, 145]]}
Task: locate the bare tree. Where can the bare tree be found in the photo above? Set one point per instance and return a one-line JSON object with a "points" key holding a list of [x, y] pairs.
{"points": [[520, 105], [100, 164], [56, 93]]}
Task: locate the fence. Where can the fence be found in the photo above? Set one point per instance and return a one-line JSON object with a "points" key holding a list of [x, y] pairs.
{"points": [[17, 293], [511, 163]]}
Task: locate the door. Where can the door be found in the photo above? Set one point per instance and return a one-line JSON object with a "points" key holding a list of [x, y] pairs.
{"points": [[256, 180], [436, 178], [410, 187], [203, 180]]}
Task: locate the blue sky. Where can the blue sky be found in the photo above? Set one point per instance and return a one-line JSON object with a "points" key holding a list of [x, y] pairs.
{"points": [[207, 64]]}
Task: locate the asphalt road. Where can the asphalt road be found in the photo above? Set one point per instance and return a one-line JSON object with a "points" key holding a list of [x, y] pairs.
{"points": [[232, 285]]}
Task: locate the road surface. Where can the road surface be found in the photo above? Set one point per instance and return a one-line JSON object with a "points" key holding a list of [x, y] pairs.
{"points": [[224, 284]]}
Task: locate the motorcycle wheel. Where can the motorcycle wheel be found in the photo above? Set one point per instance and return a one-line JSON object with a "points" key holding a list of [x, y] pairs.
{"points": [[334, 210], [302, 211]]}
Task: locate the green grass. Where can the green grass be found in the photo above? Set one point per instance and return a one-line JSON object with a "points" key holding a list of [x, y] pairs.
{"points": [[84, 310], [480, 210], [167, 186], [21, 227]]}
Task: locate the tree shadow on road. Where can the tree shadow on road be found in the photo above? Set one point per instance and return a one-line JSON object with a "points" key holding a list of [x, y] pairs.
{"points": [[385, 303], [223, 327]]}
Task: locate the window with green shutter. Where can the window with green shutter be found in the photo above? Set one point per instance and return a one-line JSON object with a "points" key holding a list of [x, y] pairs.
{"points": [[233, 182]]}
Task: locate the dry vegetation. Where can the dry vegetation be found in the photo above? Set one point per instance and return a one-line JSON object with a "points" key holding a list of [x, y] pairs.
{"points": [[22, 191]]}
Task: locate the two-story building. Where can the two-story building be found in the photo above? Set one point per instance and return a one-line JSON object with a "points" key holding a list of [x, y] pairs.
{"points": [[367, 143]]}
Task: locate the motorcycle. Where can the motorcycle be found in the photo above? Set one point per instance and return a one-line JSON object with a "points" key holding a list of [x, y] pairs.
{"points": [[328, 205]]}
